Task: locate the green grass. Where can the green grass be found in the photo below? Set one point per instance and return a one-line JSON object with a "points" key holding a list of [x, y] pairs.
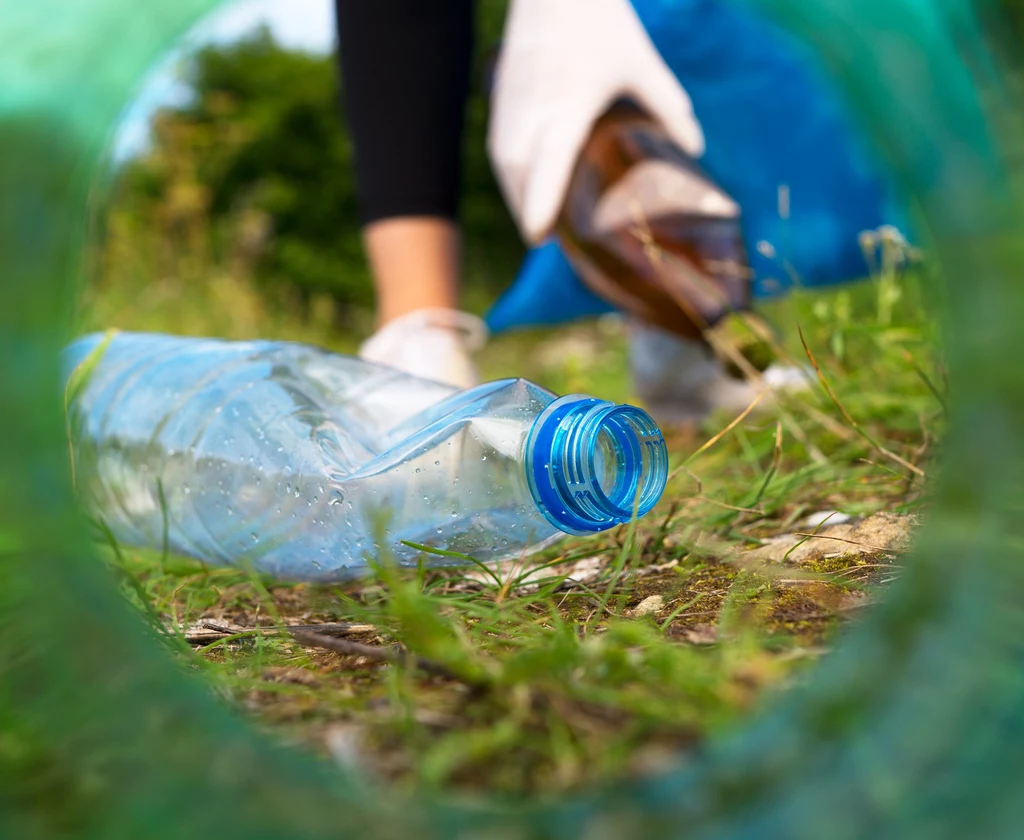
{"points": [[539, 690]]}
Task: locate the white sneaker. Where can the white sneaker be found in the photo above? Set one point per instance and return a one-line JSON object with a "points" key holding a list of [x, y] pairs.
{"points": [[683, 381], [433, 344]]}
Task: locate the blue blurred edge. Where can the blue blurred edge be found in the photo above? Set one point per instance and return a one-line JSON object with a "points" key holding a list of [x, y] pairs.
{"points": [[772, 120]]}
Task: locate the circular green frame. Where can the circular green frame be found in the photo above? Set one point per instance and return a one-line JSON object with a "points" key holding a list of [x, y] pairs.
{"points": [[913, 728]]}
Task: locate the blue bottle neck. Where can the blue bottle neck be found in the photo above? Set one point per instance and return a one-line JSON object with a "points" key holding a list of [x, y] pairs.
{"points": [[592, 465]]}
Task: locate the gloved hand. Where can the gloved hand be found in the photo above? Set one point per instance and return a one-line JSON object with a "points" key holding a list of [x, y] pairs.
{"points": [[563, 62]]}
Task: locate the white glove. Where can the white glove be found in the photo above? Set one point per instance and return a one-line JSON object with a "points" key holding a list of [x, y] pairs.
{"points": [[563, 63]]}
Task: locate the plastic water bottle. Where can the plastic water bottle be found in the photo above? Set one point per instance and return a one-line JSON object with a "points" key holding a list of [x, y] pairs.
{"points": [[303, 464]]}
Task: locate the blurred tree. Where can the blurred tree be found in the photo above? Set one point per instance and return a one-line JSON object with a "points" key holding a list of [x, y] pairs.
{"points": [[254, 176]]}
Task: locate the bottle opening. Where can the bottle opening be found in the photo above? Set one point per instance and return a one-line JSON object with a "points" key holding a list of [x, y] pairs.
{"points": [[591, 464]]}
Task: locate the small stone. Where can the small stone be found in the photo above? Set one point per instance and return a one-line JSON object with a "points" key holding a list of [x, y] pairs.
{"points": [[701, 634], [582, 571], [826, 517], [295, 676], [650, 605], [345, 743], [879, 534]]}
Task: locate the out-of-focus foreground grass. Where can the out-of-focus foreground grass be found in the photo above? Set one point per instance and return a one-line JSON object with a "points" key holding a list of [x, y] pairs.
{"points": [[774, 533]]}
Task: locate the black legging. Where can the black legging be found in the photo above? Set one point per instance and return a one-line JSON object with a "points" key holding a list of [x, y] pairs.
{"points": [[406, 72]]}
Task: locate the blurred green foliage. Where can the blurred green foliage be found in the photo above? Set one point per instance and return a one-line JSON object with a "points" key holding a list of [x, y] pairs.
{"points": [[253, 179]]}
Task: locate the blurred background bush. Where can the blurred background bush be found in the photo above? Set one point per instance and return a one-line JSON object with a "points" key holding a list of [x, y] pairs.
{"points": [[239, 215]]}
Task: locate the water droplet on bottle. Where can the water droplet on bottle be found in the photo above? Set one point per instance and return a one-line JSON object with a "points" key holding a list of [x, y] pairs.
{"points": [[255, 537], [186, 489], [336, 499], [439, 530], [455, 516], [316, 498], [231, 510], [417, 469], [320, 488], [288, 488], [437, 463], [484, 458]]}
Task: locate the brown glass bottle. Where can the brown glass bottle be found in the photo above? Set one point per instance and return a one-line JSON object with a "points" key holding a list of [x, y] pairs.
{"points": [[649, 232]]}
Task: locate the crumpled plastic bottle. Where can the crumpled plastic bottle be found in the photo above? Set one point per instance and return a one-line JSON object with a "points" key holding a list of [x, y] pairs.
{"points": [[304, 464]]}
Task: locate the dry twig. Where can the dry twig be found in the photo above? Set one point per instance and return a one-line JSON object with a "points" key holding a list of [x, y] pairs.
{"points": [[389, 655]]}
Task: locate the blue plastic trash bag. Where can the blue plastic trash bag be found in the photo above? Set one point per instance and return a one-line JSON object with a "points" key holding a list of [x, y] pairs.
{"points": [[777, 133]]}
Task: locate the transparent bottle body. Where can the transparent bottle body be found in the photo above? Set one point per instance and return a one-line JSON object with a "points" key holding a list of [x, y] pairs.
{"points": [[299, 462]]}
